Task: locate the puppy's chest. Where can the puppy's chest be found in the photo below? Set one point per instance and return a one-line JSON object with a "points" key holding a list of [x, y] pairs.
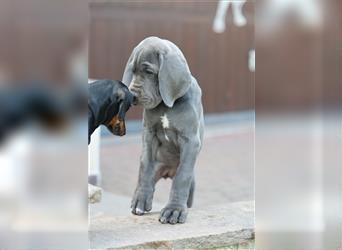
{"points": [[165, 127]]}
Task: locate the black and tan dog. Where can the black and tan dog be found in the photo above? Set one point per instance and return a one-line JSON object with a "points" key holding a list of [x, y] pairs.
{"points": [[107, 105]]}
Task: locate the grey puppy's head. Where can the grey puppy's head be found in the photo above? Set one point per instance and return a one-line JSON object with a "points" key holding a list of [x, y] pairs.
{"points": [[157, 71]]}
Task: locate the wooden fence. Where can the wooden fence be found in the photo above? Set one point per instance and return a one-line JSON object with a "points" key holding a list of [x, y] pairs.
{"points": [[218, 61]]}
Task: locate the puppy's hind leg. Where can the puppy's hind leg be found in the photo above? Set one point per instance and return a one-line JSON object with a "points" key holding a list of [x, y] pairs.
{"points": [[191, 193]]}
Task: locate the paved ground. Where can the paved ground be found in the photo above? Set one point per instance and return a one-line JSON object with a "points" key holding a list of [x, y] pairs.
{"points": [[297, 167], [229, 226], [224, 171]]}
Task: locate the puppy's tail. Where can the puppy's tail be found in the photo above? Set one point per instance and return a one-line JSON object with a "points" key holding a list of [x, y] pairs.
{"points": [[191, 193]]}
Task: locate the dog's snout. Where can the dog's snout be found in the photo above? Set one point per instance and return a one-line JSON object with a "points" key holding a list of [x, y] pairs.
{"points": [[130, 87], [134, 88], [119, 128]]}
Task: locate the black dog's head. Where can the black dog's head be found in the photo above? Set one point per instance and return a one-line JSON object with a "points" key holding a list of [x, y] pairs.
{"points": [[120, 101], [112, 100]]}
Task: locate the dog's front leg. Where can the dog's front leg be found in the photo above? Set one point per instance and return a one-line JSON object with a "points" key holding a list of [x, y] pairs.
{"points": [[176, 210], [142, 199]]}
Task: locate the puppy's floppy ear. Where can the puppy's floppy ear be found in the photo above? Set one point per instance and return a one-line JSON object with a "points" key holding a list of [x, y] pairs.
{"points": [[174, 75], [128, 73]]}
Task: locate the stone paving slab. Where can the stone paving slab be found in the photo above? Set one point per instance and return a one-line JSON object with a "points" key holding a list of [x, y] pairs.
{"points": [[228, 226]]}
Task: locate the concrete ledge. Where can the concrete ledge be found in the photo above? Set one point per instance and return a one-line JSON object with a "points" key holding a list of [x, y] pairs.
{"points": [[227, 226]]}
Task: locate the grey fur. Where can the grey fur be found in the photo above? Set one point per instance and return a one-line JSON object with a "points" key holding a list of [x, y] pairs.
{"points": [[158, 75]]}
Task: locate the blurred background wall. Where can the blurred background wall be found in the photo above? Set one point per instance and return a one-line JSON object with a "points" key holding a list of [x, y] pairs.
{"points": [[300, 55], [39, 40], [218, 61], [298, 100], [43, 173]]}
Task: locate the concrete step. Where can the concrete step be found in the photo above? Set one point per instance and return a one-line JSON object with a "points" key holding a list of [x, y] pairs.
{"points": [[115, 205], [227, 226]]}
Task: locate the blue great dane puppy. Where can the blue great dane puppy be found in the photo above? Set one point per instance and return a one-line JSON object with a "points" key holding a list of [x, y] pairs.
{"points": [[159, 77]]}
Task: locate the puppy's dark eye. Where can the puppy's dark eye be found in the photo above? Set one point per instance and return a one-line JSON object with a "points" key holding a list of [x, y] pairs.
{"points": [[149, 71]]}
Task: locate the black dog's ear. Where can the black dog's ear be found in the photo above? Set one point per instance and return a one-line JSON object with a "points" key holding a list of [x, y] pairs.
{"points": [[125, 98], [116, 121], [120, 95], [122, 101]]}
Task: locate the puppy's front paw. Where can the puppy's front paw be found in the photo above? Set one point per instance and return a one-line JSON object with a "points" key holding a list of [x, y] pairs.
{"points": [[173, 214], [142, 201]]}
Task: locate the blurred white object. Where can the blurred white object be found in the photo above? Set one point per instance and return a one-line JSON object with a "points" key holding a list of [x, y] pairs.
{"points": [[14, 161], [94, 171], [42, 188], [94, 194], [309, 12], [14, 169], [251, 60], [219, 24], [239, 18]]}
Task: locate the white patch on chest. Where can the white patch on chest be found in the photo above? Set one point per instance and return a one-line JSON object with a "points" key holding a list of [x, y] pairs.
{"points": [[165, 121]]}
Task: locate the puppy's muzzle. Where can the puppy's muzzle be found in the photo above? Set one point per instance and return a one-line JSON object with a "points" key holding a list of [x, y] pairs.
{"points": [[135, 90], [117, 126]]}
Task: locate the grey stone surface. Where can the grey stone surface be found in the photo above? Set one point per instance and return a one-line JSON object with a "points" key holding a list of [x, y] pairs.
{"points": [[229, 226], [115, 205], [94, 194]]}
